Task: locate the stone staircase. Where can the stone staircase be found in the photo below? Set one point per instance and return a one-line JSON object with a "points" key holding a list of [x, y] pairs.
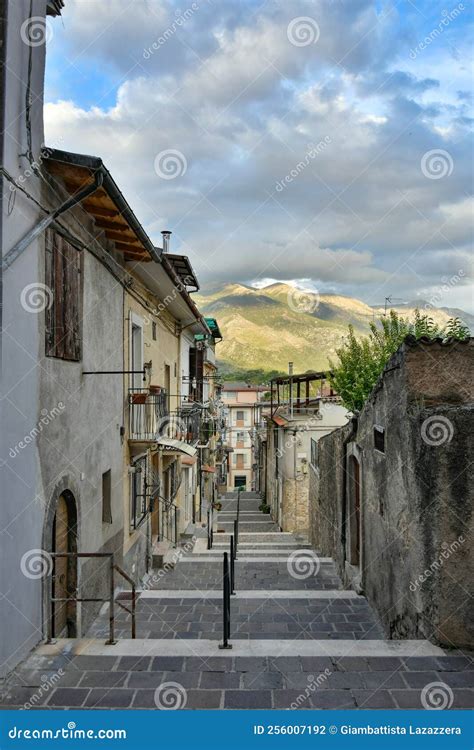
{"points": [[298, 639]]}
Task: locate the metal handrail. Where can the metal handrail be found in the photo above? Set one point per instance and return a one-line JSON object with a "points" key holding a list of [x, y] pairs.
{"points": [[110, 598], [226, 604]]}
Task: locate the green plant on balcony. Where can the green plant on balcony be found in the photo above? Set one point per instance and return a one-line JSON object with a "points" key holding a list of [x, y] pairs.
{"points": [[264, 508]]}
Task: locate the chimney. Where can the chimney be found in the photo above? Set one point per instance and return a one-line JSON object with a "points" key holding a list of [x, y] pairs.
{"points": [[166, 240]]}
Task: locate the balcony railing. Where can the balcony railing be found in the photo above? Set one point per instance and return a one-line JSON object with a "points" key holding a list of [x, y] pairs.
{"points": [[150, 418], [148, 412]]}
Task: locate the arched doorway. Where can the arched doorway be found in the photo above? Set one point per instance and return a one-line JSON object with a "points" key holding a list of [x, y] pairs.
{"points": [[62, 540], [354, 511]]}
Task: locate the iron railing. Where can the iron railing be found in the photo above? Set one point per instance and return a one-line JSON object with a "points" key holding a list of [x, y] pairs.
{"points": [[113, 567], [168, 520], [148, 413]]}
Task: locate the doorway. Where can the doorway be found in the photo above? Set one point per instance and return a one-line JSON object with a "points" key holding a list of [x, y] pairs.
{"points": [[354, 511], [64, 577]]}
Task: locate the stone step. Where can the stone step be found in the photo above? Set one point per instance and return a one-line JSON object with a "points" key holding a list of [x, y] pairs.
{"points": [[243, 558], [167, 594], [250, 537], [205, 648]]}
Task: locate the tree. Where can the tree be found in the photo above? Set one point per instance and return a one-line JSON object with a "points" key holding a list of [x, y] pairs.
{"points": [[361, 361]]}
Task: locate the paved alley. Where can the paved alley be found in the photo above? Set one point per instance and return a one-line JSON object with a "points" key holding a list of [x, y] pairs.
{"points": [[299, 640]]}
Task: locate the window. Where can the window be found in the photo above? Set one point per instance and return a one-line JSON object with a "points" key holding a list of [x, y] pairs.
{"points": [[241, 437], [240, 481], [379, 439], [64, 310], [136, 353], [107, 497], [153, 330], [138, 505], [240, 416], [239, 460]]}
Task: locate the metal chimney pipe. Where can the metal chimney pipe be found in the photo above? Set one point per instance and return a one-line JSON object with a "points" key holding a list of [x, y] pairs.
{"points": [[166, 240]]}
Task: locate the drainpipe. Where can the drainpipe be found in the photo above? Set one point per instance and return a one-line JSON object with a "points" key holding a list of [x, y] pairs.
{"points": [[3, 79], [71, 202]]}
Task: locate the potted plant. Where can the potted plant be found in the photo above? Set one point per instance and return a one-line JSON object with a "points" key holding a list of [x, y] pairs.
{"points": [[264, 508], [139, 398], [217, 506]]}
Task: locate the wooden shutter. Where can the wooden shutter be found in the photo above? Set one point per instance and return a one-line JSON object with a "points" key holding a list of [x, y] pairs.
{"points": [[63, 317]]}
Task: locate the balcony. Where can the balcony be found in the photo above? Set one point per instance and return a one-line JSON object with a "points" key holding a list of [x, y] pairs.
{"points": [[151, 419]]}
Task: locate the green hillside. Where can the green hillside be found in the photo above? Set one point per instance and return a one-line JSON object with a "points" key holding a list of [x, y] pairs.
{"points": [[266, 328]]}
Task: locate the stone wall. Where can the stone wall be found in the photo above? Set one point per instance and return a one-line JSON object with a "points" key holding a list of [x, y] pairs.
{"points": [[415, 562]]}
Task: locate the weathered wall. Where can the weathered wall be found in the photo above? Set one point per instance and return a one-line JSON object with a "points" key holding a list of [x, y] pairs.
{"points": [[416, 497]]}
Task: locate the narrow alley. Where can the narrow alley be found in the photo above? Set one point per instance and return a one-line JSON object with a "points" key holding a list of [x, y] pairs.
{"points": [[298, 640]]}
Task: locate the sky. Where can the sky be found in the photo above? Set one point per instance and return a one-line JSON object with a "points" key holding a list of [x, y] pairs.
{"points": [[324, 143]]}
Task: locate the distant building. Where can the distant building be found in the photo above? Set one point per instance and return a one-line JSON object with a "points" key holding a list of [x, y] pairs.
{"points": [[244, 408], [303, 408], [391, 494]]}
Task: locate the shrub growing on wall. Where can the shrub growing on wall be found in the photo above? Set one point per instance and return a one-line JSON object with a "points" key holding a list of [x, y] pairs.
{"points": [[361, 361]]}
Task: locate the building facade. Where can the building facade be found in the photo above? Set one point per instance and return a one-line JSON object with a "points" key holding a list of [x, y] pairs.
{"points": [[244, 407], [295, 424], [391, 494], [101, 436]]}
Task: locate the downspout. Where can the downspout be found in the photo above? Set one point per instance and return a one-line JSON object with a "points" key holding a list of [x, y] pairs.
{"points": [[71, 202]]}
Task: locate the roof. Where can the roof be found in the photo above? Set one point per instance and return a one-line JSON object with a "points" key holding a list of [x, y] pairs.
{"points": [[176, 445], [301, 377], [213, 326], [412, 341], [54, 7], [183, 269], [106, 205], [241, 385]]}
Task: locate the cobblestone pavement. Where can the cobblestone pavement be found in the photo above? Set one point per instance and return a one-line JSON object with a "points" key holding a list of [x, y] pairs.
{"points": [[282, 606]]}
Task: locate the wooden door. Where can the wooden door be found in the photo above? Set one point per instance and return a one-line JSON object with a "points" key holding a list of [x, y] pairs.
{"points": [[357, 510], [61, 567]]}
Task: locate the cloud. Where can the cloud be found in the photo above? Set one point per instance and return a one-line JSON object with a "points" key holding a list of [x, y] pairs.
{"points": [[303, 161]]}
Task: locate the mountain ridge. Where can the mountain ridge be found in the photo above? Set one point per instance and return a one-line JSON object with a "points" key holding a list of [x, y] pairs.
{"points": [[265, 328]]}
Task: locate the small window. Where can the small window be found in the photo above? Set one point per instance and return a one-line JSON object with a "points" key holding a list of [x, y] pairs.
{"points": [[379, 439], [107, 497], [240, 416], [153, 330]]}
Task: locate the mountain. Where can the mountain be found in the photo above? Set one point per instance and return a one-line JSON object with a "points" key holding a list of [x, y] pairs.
{"points": [[266, 328]]}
